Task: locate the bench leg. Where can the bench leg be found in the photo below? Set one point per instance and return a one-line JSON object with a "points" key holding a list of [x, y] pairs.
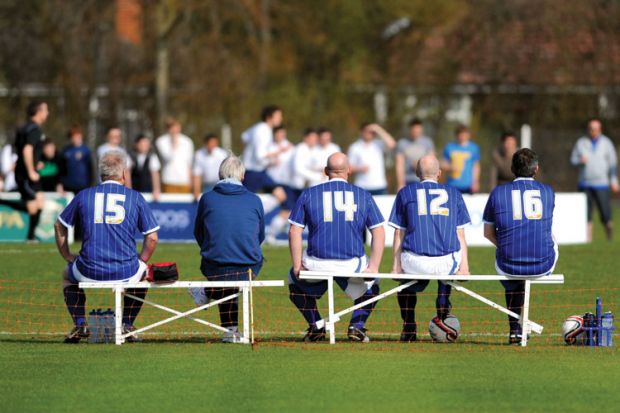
{"points": [[525, 318], [118, 315], [331, 323]]}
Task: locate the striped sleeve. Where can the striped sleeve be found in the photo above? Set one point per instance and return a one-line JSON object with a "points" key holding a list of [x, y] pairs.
{"points": [[69, 215], [374, 218], [398, 217], [146, 220]]}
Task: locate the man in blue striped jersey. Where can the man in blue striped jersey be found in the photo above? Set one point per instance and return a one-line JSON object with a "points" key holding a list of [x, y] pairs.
{"points": [[429, 239], [110, 215], [517, 220], [337, 215]]}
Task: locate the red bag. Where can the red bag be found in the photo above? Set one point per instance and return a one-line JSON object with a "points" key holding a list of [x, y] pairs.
{"points": [[162, 273]]}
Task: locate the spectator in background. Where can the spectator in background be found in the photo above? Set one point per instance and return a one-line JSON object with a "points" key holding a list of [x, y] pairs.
{"points": [[49, 168], [280, 170], [176, 152], [145, 167], [207, 161], [501, 160], [461, 162], [366, 157], [7, 169], [77, 163], [322, 151], [409, 150], [595, 157], [114, 139]]}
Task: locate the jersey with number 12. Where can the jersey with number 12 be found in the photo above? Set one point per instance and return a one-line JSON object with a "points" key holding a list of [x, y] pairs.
{"points": [[109, 214], [429, 213], [336, 214], [522, 213]]}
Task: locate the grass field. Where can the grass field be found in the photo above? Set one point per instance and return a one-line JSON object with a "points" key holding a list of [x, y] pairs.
{"points": [[176, 371]]}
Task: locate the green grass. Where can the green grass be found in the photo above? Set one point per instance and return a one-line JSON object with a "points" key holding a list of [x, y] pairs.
{"points": [[177, 371]]}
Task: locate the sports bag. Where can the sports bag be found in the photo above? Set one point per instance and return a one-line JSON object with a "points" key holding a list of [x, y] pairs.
{"points": [[162, 272]]}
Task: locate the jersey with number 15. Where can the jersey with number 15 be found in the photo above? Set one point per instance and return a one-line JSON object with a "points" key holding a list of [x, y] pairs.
{"points": [[110, 215], [430, 214], [336, 214], [522, 213]]}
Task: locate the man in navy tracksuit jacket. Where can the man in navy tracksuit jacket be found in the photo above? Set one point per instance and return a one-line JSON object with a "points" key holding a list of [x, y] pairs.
{"points": [[229, 229]]}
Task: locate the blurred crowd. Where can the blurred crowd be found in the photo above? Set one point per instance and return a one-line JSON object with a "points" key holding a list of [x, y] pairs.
{"points": [[171, 164]]}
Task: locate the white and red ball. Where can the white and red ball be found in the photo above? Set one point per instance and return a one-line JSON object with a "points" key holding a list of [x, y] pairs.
{"points": [[446, 331], [572, 329]]}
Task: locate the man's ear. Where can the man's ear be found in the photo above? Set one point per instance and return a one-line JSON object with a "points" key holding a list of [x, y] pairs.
{"points": [[439, 174], [536, 170], [325, 171], [243, 177]]}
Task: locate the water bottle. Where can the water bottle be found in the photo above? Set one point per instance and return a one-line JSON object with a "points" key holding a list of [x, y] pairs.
{"points": [[607, 325], [92, 323], [100, 326], [589, 324], [109, 326]]}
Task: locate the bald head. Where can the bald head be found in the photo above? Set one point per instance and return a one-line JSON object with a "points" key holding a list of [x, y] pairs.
{"points": [[428, 168], [337, 166]]}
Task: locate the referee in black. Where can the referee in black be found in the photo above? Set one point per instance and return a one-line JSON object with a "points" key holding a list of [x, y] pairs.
{"points": [[29, 145]]}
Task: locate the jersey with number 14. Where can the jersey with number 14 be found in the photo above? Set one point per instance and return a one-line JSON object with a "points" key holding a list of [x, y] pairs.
{"points": [[522, 213], [336, 214], [110, 214], [430, 214]]}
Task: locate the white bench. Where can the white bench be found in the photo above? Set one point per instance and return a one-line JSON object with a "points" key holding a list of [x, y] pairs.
{"points": [[245, 288], [528, 325]]}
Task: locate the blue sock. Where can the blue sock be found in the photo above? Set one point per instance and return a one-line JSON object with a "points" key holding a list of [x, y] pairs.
{"points": [[80, 321], [359, 316], [306, 304], [75, 299]]}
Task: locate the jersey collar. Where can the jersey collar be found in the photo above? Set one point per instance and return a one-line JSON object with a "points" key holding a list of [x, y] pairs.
{"points": [[523, 179], [111, 182], [337, 180], [429, 180]]}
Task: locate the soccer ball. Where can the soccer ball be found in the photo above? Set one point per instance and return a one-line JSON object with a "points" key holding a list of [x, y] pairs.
{"points": [[446, 331], [572, 329]]}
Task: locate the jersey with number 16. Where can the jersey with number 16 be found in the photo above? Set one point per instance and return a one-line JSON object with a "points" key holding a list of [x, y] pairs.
{"points": [[522, 213], [110, 214]]}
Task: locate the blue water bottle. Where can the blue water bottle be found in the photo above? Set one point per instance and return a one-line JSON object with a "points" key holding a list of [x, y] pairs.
{"points": [[607, 327], [589, 325]]}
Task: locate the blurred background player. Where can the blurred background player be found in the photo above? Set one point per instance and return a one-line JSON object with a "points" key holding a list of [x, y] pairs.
{"points": [[305, 173], [337, 214], [517, 220], [229, 229], [78, 162], [145, 167], [8, 159], [207, 161], [461, 161], [114, 141], [366, 156], [176, 153], [429, 219], [501, 160], [280, 169], [409, 150], [595, 157], [110, 214], [325, 148], [29, 148], [50, 168]]}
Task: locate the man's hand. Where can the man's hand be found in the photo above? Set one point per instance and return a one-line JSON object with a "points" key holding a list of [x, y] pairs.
{"points": [[397, 268], [584, 159], [615, 187], [33, 176], [463, 271], [296, 271], [71, 258]]}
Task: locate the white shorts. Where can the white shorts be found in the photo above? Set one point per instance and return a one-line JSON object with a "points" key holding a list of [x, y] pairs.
{"points": [[422, 265], [356, 287], [137, 277], [555, 261]]}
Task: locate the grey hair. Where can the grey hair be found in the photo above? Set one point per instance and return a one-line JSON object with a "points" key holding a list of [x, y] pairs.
{"points": [[112, 164], [232, 168]]}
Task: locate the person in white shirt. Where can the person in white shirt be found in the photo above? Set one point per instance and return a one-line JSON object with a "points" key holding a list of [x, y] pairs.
{"points": [[176, 152], [366, 157], [257, 140], [304, 173], [207, 161], [322, 151], [282, 156], [114, 142], [145, 167], [8, 158]]}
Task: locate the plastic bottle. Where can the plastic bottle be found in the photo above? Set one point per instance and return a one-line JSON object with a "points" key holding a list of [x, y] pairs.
{"points": [[589, 324], [92, 323], [607, 324]]}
